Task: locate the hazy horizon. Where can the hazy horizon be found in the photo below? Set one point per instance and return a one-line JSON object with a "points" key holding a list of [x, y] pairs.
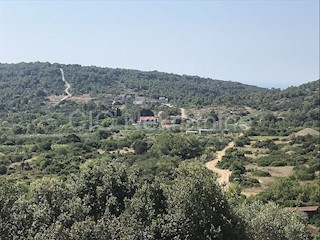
{"points": [[262, 43]]}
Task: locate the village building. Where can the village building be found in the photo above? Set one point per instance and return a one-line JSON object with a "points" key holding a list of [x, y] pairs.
{"points": [[206, 131], [192, 132], [311, 211], [139, 100], [163, 100], [148, 120]]}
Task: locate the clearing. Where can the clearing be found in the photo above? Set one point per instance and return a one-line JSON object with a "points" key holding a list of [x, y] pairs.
{"points": [[276, 172]]}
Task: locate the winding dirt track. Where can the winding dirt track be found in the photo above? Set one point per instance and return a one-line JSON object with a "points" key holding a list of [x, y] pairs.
{"points": [[68, 86], [183, 113], [223, 174]]}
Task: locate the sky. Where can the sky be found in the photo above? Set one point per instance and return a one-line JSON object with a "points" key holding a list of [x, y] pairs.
{"points": [[268, 43]]}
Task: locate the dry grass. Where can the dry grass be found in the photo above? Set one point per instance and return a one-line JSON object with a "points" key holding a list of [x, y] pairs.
{"points": [[306, 131], [252, 111], [263, 138], [251, 191], [54, 99], [256, 152], [276, 172], [82, 98]]}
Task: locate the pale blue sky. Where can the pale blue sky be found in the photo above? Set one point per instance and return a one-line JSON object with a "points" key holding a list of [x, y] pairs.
{"points": [[265, 43]]}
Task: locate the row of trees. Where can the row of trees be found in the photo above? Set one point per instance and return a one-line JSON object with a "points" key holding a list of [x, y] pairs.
{"points": [[112, 201]]}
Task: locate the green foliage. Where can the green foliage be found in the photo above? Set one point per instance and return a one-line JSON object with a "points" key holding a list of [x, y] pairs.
{"points": [[290, 192], [241, 141], [35, 81], [110, 201], [103, 134], [299, 107], [86, 198], [302, 152], [261, 173], [237, 177], [140, 146], [211, 217], [3, 169], [266, 144], [270, 221], [146, 112], [46, 146], [234, 159], [177, 145]]}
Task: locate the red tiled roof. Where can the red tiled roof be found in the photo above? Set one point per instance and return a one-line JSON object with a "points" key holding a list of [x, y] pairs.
{"points": [[306, 209], [147, 118]]}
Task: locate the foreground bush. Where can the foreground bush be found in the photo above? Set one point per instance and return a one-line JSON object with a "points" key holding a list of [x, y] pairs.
{"points": [[112, 201], [270, 221]]}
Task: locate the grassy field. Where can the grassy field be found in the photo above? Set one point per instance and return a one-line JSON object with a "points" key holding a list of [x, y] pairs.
{"points": [[276, 172]]}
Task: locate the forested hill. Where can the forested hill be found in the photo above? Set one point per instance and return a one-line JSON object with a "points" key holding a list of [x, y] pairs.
{"points": [[291, 108], [27, 84], [304, 96]]}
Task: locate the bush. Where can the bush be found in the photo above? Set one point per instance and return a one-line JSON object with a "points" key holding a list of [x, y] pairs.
{"points": [[140, 146], [3, 169], [278, 164], [261, 173], [266, 144], [241, 141], [46, 146], [270, 221]]}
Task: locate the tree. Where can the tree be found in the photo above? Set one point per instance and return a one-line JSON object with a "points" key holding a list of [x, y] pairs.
{"points": [[197, 208], [270, 221], [140, 146], [73, 138], [144, 214], [3, 169], [46, 146], [178, 145], [102, 134], [146, 112]]}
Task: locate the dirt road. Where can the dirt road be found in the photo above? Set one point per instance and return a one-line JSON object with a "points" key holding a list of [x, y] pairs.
{"points": [[68, 86], [183, 113], [223, 174]]}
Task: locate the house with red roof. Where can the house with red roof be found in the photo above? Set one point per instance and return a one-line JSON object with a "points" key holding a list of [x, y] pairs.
{"points": [[143, 120]]}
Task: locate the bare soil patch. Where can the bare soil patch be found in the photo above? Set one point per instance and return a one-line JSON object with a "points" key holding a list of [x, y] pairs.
{"points": [[305, 132], [55, 99], [81, 98]]}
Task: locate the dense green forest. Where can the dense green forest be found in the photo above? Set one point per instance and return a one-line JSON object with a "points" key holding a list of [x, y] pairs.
{"points": [[87, 169], [25, 84], [25, 87]]}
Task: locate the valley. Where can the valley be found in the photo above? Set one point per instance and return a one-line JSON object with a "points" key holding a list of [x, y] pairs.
{"points": [[156, 133]]}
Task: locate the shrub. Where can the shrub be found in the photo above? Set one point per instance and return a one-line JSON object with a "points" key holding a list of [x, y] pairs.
{"points": [[270, 221], [3, 169], [261, 173]]}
